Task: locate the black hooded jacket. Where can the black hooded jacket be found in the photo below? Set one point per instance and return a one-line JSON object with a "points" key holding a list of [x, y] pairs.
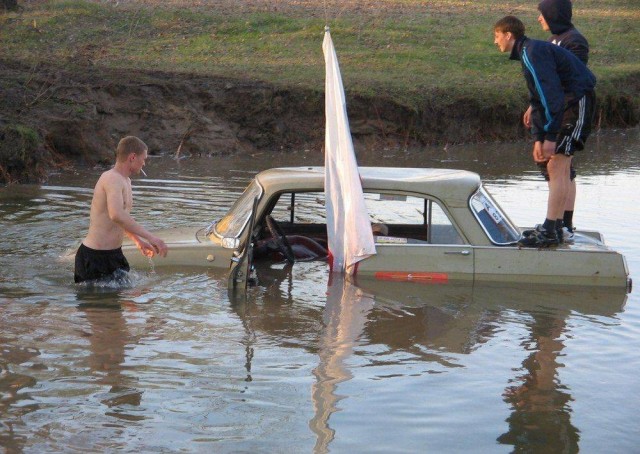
{"points": [[558, 13]]}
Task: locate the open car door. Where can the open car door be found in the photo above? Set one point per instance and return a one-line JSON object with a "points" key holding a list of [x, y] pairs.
{"points": [[240, 267]]}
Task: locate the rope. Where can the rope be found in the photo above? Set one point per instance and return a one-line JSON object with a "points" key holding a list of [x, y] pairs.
{"points": [[326, 17]]}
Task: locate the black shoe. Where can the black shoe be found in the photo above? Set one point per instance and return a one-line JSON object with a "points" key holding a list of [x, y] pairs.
{"points": [[560, 235], [529, 232], [538, 237]]}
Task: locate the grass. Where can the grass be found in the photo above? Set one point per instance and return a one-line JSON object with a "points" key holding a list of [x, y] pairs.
{"points": [[443, 47]]}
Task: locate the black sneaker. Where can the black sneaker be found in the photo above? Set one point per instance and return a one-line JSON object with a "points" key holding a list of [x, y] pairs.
{"points": [[526, 233], [538, 237], [560, 235], [529, 232]]}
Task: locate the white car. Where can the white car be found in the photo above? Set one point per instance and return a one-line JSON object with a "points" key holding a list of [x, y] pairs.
{"points": [[442, 226]]}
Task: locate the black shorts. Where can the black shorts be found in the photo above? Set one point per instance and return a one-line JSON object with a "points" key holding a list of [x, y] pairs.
{"points": [[93, 264], [577, 119]]}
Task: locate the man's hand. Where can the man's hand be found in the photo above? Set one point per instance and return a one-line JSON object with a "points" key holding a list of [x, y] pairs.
{"points": [[543, 151], [146, 249], [548, 149], [526, 118], [538, 156], [153, 246], [158, 245]]}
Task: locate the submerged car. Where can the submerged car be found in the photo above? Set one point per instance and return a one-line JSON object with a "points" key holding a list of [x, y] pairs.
{"points": [[440, 225]]}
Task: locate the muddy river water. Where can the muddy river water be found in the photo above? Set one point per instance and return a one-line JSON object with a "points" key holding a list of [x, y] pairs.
{"points": [[307, 365]]}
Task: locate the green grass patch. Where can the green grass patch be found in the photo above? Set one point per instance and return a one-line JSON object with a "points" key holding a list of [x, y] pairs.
{"points": [[28, 135], [444, 47]]}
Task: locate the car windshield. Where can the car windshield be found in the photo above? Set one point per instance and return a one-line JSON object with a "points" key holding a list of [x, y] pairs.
{"points": [[494, 222], [232, 225]]}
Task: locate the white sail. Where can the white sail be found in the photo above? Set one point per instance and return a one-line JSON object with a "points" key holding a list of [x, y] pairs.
{"points": [[348, 226]]}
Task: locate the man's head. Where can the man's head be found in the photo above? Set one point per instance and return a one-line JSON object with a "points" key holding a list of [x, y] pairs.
{"points": [[555, 15], [131, 152], [506, 32], [543, 22], [379, 229], [128, 145]]}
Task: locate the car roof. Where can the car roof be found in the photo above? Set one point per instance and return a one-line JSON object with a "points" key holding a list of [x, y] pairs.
{"points": [[452, 186]]}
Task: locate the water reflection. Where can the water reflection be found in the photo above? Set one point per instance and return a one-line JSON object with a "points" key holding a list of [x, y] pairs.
{"points": [[15, 402], [330, 330], [541, 411], [460, 317], [435, 324], [109, 339], [344, 317]]}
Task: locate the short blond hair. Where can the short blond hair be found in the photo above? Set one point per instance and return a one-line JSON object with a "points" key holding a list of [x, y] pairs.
{"points": [[128, 145]]}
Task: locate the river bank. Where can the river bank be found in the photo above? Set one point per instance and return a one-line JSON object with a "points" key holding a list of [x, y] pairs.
{"points": [[193, 78], [53, 117]]}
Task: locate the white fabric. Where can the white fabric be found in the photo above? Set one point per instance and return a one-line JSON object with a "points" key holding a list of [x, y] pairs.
{"points": [[348, 227]]}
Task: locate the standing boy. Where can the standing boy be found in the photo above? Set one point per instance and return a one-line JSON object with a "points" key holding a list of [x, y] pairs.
{"points": [[561, 93], [555, 17], [100, 254]]}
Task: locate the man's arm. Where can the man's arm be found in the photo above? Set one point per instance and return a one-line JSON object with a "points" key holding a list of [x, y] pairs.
{"points": [[115, 207], [548, 86], [146, 248]]}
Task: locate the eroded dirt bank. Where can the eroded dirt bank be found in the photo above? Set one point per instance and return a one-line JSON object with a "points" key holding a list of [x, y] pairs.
{"points": [[51, 116]]}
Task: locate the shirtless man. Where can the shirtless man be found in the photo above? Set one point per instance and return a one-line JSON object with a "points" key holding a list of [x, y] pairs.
{"points": [[100, 254]]}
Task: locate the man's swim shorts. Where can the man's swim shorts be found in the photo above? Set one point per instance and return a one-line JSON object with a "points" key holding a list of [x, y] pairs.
{"points": [[92, 264]]}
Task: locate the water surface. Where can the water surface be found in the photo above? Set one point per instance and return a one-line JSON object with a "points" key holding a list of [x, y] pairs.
{"points": [[304, 364]]}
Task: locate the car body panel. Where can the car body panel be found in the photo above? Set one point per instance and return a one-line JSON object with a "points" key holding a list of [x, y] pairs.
{"points": [[528, 297], [560, 265], [480, 253], [187, 247], [426, 262]]}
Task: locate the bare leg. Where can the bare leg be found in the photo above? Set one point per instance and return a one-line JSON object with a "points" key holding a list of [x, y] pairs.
{"points": [[571, 197], [559, 182]]}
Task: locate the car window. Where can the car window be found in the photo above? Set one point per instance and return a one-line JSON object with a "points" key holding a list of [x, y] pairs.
{"points": [[232, 224], [496, 225], [415, 218], [308, 208]]}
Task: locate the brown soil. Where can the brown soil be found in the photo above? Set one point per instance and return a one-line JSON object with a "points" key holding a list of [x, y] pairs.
{"points": [[81, 115], [78, 116]]}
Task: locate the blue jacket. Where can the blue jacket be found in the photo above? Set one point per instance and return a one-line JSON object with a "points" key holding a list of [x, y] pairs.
{"points": [[554, 76], [557, 13]]}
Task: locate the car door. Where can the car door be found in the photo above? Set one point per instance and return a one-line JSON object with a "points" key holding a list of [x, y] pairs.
{"points": [[427, 263], [242, 259], [420, 244]]}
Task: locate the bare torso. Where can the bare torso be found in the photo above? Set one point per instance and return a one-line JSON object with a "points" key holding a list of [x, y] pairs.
{"points": [[111, 188]]}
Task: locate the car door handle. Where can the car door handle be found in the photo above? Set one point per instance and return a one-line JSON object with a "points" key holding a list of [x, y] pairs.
{"points": [[463, 252]]}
